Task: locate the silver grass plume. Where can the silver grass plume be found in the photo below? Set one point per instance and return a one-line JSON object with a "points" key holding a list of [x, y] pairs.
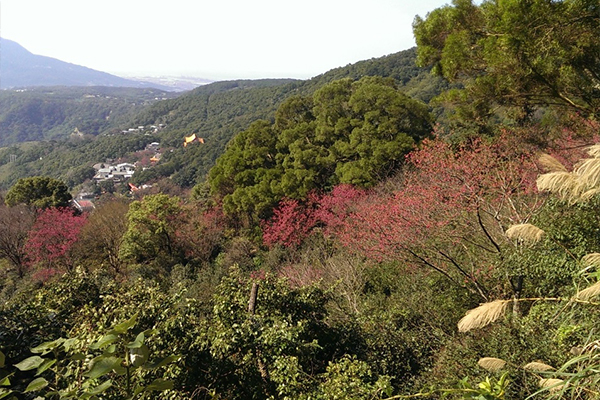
{"points": [[591, 260], [565, 184], [551, 164], [491, 364], [552, 383], [588, 172], [526, 232], [538, 366], [483, 315], [588, 195], [594, 151], [588, 293]]}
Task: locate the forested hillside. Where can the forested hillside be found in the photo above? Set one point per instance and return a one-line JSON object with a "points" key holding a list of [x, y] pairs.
{"points": [[214, 112], [35, 114], [350, 242], [218, 111]]}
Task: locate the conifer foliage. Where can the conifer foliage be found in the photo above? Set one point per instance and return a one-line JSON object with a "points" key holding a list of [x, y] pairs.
{"points": [[346, 133]]}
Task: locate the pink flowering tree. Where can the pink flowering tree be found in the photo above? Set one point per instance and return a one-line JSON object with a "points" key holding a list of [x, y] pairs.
{"points": [[451, 210], [51, 239], [294, 220]]}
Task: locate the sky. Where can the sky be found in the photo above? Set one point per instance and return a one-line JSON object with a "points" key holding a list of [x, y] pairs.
{"points": [[213, 39]]}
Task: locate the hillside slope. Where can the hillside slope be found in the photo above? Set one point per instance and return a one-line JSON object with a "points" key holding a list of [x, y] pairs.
{"points": [[214, 112], [21, 68], [55, 112], [217, 112]]}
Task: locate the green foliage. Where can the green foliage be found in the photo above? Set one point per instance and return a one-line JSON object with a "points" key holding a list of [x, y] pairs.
{"points": [[39, 192], [284, 347], [515, 54], [486, 390], [348, 132], [352, 379], [219, 111], [151, 225], [51, 113], [76, 368], [215, 112]]}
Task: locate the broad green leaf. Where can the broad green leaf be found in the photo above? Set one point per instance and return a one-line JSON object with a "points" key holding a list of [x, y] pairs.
{"points": [[139, 356], [160, 385], [104, 341], [5, 381], [103, 365], [124, 326], [150, 332], [101, 388], [161, 363], [110, 350], [45, 365], [5, 392], [47, 347], [70, 343], [120, 370], [138, 390], [67, 394], [36, 385], [30, 363], [138, 342], [2, 359], [77, 357]]}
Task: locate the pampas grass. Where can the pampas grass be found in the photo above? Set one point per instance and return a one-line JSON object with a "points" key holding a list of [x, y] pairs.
{"points": [[552, 383], [565, 184], [577, 186], [588, 172], [491, 364], [483, 315], [587, 195], [551, 164], [592, 259], [587, 294], [594, 151], [538, 366], [525, 232]]}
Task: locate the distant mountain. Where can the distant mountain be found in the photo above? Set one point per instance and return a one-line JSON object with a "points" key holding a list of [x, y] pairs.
{"points": [[215, 112], [176, 83], [20, 68]]}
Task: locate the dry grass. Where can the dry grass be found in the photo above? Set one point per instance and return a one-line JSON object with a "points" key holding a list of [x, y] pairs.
{"points": [[551, 164], [589, 293], [585, 196], [565, 184], [577, 186], [592, 259], [588, 172], [552, 383], [526, 232], [483, 315], [594, 151], [538, 366], [491, 364]]}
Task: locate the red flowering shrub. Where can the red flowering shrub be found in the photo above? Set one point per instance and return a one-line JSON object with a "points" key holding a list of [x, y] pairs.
{"points": [[291, 223], [52, 237]]}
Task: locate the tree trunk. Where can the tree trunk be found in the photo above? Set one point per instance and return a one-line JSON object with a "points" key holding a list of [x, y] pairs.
{"points": [[262, 368]]}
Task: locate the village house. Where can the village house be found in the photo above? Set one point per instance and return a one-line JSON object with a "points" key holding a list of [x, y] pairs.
{"points": [[117, 173]]}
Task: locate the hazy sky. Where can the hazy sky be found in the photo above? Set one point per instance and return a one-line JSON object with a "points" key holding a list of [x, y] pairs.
{"points": [[214, 39]]}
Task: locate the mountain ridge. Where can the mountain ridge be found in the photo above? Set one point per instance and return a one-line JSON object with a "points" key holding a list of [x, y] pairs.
{"points": [[20, 68]]}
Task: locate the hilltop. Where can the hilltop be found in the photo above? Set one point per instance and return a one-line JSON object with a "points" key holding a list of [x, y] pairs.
{"points": [[21, 68], [215, 112]]}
